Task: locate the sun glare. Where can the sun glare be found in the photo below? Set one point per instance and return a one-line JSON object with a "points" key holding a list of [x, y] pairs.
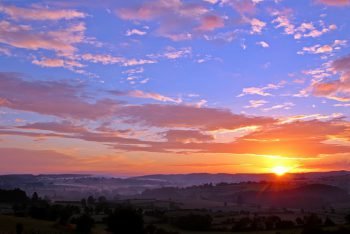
{"points": [[280, 170]]}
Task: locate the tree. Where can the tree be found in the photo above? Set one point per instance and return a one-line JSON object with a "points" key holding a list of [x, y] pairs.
{"points": [[328, 222], [84, 224], [194, 222], [312, 224], [347, 219], [19, 228], [91, 200], [35, 197], [13, 196], [83, 202], [242, 225], [125, 220], [102, 199]]}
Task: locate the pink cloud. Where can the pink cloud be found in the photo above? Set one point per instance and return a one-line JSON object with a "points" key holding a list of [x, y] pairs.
{"points": [[36, 13], [336, 89], [154, 96], [57, 62], [159, 8], [189, 116], [178, 20], [24, 36], [334, 2], [300, 139], [187, 136], [109, 59], [39, 96], [211, 22], [64, 127], [241, 6], [289, 139], [257, 26], [262, 91]]}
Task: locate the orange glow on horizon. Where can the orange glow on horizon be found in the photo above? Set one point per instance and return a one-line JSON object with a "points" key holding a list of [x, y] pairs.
{"points": [[280, 170]]}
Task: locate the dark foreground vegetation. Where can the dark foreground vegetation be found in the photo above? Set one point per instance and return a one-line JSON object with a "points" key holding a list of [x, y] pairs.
{"points": [[98, 215]]}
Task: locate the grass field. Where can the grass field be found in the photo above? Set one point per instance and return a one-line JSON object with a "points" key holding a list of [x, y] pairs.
{"points": [[290, 231], [8, 225]]}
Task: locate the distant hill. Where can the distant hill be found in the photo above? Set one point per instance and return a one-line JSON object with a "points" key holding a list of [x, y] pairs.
{"points": [[203, 178], [306, 196], [288, 195], [75, 186]]}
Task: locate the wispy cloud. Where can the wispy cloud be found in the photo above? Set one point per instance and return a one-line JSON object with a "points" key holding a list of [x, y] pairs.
{"points": [[338, 3], [40, 13], [338, 89], [323, 49], [23, 36], [285, 106], [148, 95], [256, 103], [263, 44], [261, 91], [135, 32]]}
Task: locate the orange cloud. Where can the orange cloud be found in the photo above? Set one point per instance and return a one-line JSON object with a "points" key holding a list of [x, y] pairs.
{"points": [[14, 160], [336, 89], [187, 136], [179, 128]]}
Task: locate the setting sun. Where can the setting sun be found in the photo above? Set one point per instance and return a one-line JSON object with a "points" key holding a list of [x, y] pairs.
{"points": [[280, 170]]}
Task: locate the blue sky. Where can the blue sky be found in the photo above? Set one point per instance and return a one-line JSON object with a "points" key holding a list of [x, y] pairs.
{"points": [[125, 83]]}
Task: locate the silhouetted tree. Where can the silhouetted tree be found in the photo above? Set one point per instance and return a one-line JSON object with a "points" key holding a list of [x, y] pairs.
{"points": [[271, 222], [13, 196], [312, 230], [312, 224], [194, 222], [347, 218], [285, 224], [19, 228], [242, 225], [84, 224], [125, 220], [102, 199], [35, 197], [299, 221], [328, 222], [91, 200], [83, 202]]}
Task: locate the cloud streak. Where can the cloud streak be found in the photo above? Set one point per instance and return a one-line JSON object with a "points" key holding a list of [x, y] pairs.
{"points": [[38, 13]]}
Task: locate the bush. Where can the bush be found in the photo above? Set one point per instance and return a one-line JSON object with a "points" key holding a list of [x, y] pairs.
{"points": [[84, 224], [193, 222], [125, 220]]}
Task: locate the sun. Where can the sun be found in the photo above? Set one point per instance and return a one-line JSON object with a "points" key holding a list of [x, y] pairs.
{"points": [[280, 170]]}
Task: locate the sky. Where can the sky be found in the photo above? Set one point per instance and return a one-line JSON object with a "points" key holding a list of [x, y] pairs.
{"points": [[174, 86]]}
